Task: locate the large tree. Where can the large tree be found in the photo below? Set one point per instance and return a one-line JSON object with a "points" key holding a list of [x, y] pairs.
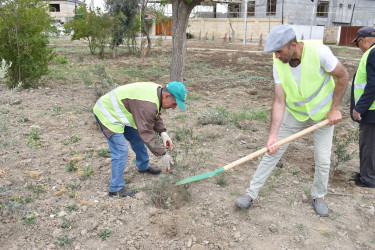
{"points": [[181, 10]]}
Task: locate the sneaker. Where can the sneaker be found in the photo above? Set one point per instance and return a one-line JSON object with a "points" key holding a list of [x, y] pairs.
{"points": [[244, 202], [360, 183], [151, 170], [320, 207], [122, 193]]}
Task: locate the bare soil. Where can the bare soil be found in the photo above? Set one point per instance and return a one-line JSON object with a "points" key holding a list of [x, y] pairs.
{"points": [[68, 206]]}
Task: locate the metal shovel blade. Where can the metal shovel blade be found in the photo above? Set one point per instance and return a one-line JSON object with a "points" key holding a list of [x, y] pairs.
{"points": [[201, 176]]}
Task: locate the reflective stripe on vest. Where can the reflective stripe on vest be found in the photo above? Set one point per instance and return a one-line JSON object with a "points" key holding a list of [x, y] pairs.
{"points": [[360, 80], [308, 99], [107, 114], [111, 111], [117, 109], [315, 98], [317, 108]]}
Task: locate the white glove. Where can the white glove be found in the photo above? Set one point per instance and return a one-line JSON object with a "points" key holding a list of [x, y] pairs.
{"points": [[167, 160], [167, 141]]}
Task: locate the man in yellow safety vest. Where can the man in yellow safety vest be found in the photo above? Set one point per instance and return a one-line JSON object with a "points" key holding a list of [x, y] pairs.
{"points": [[304, 93], [363, 107], [132, 113]]}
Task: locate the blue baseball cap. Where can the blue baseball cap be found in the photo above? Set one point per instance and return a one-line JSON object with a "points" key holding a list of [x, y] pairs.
{"points": [[364, 32], [178, 90]]}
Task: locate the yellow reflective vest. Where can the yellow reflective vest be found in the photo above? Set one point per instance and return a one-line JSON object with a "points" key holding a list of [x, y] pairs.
{"points": [[360, 79], [111, 111], [314, 99]]}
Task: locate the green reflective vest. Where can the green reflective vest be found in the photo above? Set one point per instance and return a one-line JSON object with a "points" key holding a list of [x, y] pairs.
{"points": [[360, 79], [111, 111], [316, 92]]}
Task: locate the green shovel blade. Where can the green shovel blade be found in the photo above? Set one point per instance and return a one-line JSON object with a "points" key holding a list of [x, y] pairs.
{"points": [[201, 176]]}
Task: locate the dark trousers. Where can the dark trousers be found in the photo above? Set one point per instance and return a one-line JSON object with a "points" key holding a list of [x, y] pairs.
{"points": [[367, 152]]}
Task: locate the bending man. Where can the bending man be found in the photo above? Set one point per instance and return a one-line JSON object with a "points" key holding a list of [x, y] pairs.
{"points": [[132, 113]]}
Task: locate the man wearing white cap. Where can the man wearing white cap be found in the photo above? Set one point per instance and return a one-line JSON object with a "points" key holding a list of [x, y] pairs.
{"points": [[305, 93], [132, 113]]}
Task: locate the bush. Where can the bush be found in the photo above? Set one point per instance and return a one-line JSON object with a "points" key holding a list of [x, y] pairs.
{"points": [[189, 35], [24, 29]]}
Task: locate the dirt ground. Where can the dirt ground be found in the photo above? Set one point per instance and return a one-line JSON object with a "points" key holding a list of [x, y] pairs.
{"points": [[44, 131]]}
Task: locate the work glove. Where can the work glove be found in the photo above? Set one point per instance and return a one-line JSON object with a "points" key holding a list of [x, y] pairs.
{"points": [[166, 161], [167, 141]]}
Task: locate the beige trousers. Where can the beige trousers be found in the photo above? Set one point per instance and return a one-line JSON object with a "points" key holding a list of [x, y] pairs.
{"points": [[322, 156]]}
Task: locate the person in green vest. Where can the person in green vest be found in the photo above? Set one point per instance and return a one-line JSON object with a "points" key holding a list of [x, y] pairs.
{"points": [[132, 113], [362, 107], [305, 94]]}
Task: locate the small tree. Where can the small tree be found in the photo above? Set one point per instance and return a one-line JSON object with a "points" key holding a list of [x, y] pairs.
{"points": [[103, 32], [158, 15], [24, 29], [125, 13], [93, 26]]}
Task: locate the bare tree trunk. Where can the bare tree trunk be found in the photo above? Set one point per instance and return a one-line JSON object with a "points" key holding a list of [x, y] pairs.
{"points": [[181, 10], [114, 50], [144, 26]]}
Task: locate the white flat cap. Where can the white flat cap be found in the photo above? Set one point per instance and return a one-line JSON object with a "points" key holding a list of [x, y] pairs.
{"points": [[278, 37]]}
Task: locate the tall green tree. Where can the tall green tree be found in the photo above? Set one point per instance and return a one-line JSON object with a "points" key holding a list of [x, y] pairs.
{"points": [[24, 29], [125, 11]]}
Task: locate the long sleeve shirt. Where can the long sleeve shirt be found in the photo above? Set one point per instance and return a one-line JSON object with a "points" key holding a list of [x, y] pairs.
{"points": [[147, 122], [368, 96]]}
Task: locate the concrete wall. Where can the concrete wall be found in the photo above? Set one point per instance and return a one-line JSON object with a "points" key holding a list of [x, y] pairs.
{"points": [[307, 32], [331, 35], [219, 27], [340, 12]]}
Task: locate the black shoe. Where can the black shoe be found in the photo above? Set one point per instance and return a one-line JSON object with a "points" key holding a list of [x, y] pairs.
{"points": [[355, 176], [360, 183], [122, 193], [151, 170]]}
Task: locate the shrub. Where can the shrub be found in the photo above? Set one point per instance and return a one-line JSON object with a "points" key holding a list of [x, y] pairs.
{"points": [[189, 35], [24, 29]]}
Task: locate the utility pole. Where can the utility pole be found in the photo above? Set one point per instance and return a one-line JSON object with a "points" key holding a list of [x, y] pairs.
{"points": [[282, 11], [351, 18], [312, 17], [245, 23]]}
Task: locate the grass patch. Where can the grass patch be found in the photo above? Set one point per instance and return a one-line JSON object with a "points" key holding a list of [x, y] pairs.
{"points": [[223, 116], [105, 233], [72, 207], [73, 139], [104, 153], [68, 224], [87, 172], [63, 240], [222, 181], [36, 189], [33, 138], [29, 219], [164, 194], [181, 117], [72, 166]]}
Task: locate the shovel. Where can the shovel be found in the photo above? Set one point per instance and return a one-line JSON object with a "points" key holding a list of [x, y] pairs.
{"points": [[252, 155]]}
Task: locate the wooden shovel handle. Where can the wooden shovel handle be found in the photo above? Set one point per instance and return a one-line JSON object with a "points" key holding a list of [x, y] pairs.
{"points": [[282, 142]]}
